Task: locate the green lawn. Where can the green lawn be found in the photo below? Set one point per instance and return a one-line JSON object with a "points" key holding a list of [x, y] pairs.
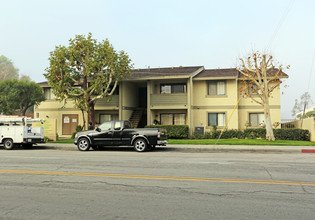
{"points": [[64, 141], [226, 142], [240, 142]]}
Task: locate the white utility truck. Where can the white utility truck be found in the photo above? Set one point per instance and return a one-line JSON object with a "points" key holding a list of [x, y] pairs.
{"points": [[18, 131]]}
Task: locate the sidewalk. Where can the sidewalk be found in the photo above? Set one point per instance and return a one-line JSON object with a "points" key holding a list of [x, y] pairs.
{"points": [[208, 148]]}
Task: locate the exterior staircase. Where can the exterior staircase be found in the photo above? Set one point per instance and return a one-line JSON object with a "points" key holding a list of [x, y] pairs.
{"points": [[135, 117]]}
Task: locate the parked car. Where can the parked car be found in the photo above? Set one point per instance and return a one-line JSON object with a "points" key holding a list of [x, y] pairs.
{"points": [[121, 133]]}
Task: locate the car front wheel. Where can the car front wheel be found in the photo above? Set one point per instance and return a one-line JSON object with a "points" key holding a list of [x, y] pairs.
{"points": [[140, 145], [83, 144]]}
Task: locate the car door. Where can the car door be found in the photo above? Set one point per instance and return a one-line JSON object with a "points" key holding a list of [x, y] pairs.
{"points": [[117, 132], [104, 135]]}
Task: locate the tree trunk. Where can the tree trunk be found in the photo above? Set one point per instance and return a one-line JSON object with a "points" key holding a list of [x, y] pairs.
{"points": [[91, 113], [83, 117], [269, 131], [23, 111]]}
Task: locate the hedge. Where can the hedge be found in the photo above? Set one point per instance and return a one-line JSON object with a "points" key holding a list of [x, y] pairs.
{"points": [[292, 134], [182, 131], [280, 134], [174, 131]]}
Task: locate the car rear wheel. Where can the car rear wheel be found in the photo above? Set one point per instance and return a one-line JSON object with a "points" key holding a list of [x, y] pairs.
{"points": [[83, 144], [140, 145], [8, 144]]}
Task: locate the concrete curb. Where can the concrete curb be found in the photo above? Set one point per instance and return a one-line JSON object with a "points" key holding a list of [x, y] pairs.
{"points": [[205, 148]]}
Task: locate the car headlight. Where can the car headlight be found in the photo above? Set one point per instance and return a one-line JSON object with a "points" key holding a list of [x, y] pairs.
{"points": [[76, 136]]}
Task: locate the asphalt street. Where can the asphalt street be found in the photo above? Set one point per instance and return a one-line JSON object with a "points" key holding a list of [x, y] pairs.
{"points": [[64, 183]]}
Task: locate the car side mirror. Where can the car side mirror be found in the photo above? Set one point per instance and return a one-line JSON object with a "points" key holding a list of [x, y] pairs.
{"points": [[97, 129]]}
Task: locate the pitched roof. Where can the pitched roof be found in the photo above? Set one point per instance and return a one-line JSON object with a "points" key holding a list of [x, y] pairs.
{"points": [[217, 73], [43, 84], [230, 73], [164, 72]]}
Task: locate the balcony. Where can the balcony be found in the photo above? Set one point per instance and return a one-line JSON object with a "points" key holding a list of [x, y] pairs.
{"points": [[111, 102], [169, 100]]}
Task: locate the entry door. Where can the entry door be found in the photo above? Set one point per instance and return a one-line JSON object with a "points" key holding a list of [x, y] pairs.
{"points": [[69, 123]]}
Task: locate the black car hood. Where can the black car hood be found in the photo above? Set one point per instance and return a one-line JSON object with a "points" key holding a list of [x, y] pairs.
{"points": [[89, 132]]}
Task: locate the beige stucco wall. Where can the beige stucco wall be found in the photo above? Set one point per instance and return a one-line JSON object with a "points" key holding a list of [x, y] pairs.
{"points": [[196, 106], [243, 115], [129, 99], [309, 124], [54, 110], [202, 104], [247, 105]]}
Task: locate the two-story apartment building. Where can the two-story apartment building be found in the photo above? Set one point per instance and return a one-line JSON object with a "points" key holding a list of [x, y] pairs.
{"points": [[191, 96]]}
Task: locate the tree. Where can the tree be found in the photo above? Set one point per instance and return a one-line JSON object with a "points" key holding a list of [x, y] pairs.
{"points": [[260, 77], [87, 70], [7, 69], [25, 78], [305, 101], [19, 95]]}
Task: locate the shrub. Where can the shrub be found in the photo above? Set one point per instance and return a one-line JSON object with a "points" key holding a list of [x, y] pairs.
{"points": [[292, 134], [254, 133], [77, 129], [174, 131]]}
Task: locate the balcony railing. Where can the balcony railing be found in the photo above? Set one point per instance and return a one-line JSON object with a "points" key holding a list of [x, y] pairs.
{"points": [[168, 99], [112, 101]]}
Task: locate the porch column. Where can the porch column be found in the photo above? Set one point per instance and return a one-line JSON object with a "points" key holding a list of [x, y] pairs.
{"points": [[120, 101], [189, 105], [149, 91]]}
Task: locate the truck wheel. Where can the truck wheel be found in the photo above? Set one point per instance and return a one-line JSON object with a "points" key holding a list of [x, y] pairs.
{"points": [[8, 144], [83, 144], [140, 145]]}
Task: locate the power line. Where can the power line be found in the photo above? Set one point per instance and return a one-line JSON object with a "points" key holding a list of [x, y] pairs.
{"points": [[284, 16]]}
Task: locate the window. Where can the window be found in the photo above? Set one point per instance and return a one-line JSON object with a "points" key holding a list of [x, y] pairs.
{"points": [[116, 92], [253, 88], [108, 117], [106, 126], [216, 119], [117, 125], [128, 124], [173, 88], [48, 94], [173, 119], [216, 87], [256, 119]]}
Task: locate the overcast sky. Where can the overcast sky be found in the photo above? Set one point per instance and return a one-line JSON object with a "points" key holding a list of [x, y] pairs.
{"points": [[165, 33]]}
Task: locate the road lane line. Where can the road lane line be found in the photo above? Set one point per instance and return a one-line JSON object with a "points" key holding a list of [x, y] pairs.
{"points": [[162, 177]]}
